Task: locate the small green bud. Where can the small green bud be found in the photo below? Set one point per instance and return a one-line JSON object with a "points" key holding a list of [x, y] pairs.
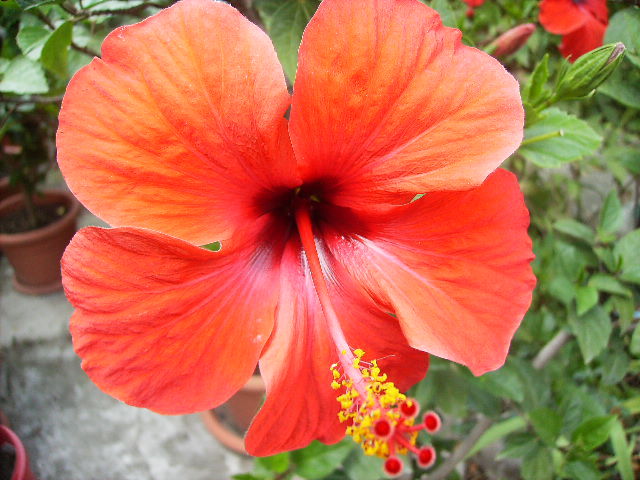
{"points": [[589, 71]]}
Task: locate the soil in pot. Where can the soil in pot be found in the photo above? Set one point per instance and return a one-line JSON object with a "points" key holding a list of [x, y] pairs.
{"points": [[35, 254]]}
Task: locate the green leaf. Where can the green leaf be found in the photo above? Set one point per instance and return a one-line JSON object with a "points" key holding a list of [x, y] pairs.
{"points": [[214, 247], [285, 20], [538, 465], [562, 289], [246, 476], [624, 27], [319, 460], [363, 467], [624, 85], [29, 4], [634, 346], [55, 52], [575, 229], [276, 463], [496, 432], [609, 284], [594, 432], [31, 39], [622, 451], [24, 77], [536, 91], [504, 382], [558, 138], [579, 470], [592, 331], [444, 9], [520, 445], [547, 423], [614, 367], [611, 214], [627, 250], [586, 299]]}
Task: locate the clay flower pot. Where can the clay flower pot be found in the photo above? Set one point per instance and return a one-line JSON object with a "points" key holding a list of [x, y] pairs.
{"points": [[35, 255], [229, 422], [21, 470]]}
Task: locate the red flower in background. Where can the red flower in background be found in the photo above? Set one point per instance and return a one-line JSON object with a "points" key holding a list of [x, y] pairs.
{"points": [[581, 22], [178, 137]]}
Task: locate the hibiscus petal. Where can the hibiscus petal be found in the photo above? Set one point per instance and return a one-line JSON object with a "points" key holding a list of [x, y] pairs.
{"points": [[301, 406], [180, 124], [454, 266], [389, 101], [165, 325], [583, 40], [562, 16]]}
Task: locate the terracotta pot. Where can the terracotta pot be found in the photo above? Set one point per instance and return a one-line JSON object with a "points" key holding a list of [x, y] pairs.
{"points": [[229, 422], [6, 190], [35, 255], [21, 470]]}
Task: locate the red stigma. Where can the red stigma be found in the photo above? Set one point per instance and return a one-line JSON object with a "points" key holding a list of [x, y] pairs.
{"points": [[393, 466], [409, 409], [383, 428], [426, 457], [432, 422]]}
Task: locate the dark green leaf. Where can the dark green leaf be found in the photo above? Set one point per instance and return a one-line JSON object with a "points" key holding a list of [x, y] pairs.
{"points": [[558, 138], [55, 52], [547, 424], [536, 90], [538, 465], [592, 331], [319, 460], [575, 229], [276, 463], [285, 21], [614, 367], [504, 382], [581, 471], [562, 289], [609, 284], [23, 77], [594, 432]]}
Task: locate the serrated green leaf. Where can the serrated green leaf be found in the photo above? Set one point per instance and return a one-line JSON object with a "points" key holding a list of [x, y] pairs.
{"points": [[575, 229], [586, 299], [609, 284], [573, 139], [622, 451], [285, 20], [594, 432], [55, 53], [538, 465], [592, 331], [611, 214], [319, 460], [31, 39], [23, 77], [624, 27], [496, 432]]}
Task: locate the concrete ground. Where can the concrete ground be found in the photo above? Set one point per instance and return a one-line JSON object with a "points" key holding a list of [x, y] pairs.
{"points": [[72, 431]]}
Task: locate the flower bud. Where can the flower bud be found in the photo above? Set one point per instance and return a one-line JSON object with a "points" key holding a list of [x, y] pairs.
{"points": [[589, 71], [512, 40]]}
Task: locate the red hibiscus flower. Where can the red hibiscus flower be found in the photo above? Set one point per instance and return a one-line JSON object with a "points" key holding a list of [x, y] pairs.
{"points": [[581, 22], [178, 136], [474, 3]]}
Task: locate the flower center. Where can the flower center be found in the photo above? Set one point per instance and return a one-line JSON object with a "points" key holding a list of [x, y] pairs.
{"points": [[379, 417]]}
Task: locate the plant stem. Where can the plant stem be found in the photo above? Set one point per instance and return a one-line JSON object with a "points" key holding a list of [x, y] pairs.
{"points": [[543, 357], [545, 136]]}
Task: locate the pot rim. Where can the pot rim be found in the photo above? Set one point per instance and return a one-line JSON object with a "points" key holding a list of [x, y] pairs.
{"points": [[33, 235]]}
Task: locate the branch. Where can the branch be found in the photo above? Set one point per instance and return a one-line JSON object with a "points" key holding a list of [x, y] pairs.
{"points": [[44, 19], [543, 357]]}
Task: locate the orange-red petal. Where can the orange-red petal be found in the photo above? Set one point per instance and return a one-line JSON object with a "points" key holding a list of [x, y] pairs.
{"points": [[454, 267], [301, 406], [179, 124], [583, 40], [165, 325], [388, 102], [562, 16]]}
